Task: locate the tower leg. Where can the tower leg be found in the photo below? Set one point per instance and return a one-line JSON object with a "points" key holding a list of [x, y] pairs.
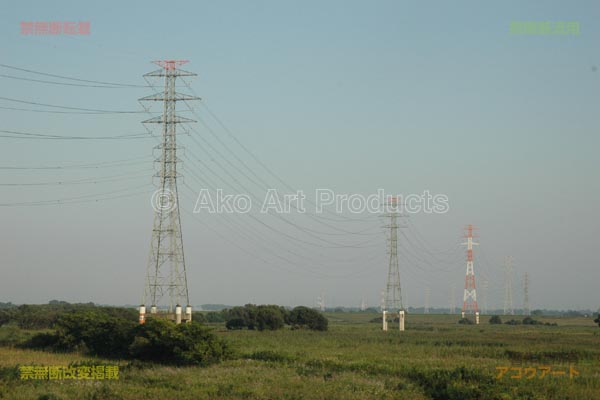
{"points": [[401, 317], [188, 314], [142, 314], [385, 321], [178, 314]]}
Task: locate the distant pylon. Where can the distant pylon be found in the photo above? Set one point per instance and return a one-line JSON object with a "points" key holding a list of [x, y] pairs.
{"points": [[166, 270], [470, 293], [508, 299], [321, 302], [526, 309], [427, 294], [453, 299], [363, 304], [486, 291]]}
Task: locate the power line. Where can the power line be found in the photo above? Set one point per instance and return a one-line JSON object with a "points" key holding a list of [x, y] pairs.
{"points": [[261, 244], [264, 166], [76, 199], [307, 231], [52, 111], [28, 135], [93, 110], [264, 185], [71, 78], [102, 179], [259, 234], [251, 194], [63, 83], [102, 164], [268, 226]]}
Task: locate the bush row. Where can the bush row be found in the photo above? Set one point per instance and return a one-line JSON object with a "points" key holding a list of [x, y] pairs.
{"points": [[99, 333], [43, 316], [271, 317]]}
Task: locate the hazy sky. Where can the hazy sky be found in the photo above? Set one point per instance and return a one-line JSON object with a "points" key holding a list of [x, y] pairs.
{"points": [[347, 95]]}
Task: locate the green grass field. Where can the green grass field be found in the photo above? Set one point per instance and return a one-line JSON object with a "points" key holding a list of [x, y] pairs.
{"points": [[435, 358]]}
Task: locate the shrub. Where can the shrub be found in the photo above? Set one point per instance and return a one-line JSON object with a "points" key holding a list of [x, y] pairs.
{"points": [[269, 317], [42, 341], [379, 320], [41, 316], [513, 322], [307, 317], [5, 316], [198, 316], [461, 383], [246, 314], [11, 335], [157, 340], [100, 333], [597, 320], [495, 319], [263, 317], [214, 317], [235, 324], [269, 355], [165, 342], [465, 321], [48, 396]]}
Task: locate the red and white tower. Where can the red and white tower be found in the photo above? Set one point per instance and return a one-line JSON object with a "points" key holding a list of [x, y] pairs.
{"points": [[470, 294]]}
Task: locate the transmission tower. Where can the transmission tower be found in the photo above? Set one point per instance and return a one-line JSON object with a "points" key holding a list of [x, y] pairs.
{"points": [[393, 294], [166, 271], [321, 301], [470, 293], [453, 298], [526, 309], [508, 299], [486, 287], [427, 294], [363, 304]]}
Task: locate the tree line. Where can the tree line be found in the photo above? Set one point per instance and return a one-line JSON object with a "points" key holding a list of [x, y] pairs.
{"points": [[266, 317]]}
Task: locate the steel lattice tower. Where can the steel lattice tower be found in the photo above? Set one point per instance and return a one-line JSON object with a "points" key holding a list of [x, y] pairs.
{"points": [[452, 299], [470, 293], [166, 271], [393, 294], [321, 302], [486, 287], [508, 299], [526, 309]]}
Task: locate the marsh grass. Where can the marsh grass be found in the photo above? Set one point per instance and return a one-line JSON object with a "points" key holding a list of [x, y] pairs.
{"points": [[435, 358]]}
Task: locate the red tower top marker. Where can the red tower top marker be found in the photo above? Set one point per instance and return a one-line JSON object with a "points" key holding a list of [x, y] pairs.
{"points": [[469, 231], [170, 64]]}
